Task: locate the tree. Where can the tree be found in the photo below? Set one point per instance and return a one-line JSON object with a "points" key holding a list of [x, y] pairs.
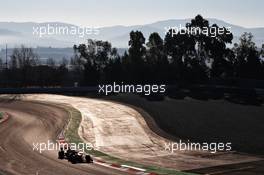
{"points": [[197, 25], [247, 63], [23, 57], [155, 52], [94, 57], [137, 49], [51, 62], [156, 60], [22, 61], [64, 62], [1, 64], [222, 56], [136, 57], [262, 50]]}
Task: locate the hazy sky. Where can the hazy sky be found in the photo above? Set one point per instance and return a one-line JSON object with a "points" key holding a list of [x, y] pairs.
{"points": [[247, 13]]}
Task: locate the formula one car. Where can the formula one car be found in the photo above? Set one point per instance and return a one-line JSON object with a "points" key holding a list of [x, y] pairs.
{"points": [[75, 156]]}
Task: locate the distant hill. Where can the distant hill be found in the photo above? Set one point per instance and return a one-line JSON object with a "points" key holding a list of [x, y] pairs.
{"points": [[44, 53], [14, 33], [50, 52]]}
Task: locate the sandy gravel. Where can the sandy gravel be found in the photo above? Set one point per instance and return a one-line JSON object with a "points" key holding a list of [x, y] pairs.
{"points": [[121, 131]]}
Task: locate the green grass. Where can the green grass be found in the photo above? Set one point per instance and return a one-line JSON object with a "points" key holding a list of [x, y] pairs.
{"points": [[1, 115], [71, 134]]}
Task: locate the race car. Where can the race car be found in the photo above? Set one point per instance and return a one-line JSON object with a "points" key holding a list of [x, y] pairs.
{"points": [[75, 156]]}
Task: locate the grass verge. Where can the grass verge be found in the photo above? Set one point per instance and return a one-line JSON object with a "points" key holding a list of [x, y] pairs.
{"points": [[1, 115], [71, 134]]}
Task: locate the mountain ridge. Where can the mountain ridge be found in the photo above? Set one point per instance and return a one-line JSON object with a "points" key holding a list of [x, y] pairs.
{"points": [[16, 33]]}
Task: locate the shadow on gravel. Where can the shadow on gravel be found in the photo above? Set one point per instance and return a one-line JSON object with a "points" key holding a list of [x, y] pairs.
{"points": [[11, 98]]}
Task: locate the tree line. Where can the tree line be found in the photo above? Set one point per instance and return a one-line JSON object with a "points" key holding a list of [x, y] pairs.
{"points": [[180, 57]]}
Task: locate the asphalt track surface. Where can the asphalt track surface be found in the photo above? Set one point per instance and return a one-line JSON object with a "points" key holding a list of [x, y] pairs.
{"points": [[31, 123]]}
